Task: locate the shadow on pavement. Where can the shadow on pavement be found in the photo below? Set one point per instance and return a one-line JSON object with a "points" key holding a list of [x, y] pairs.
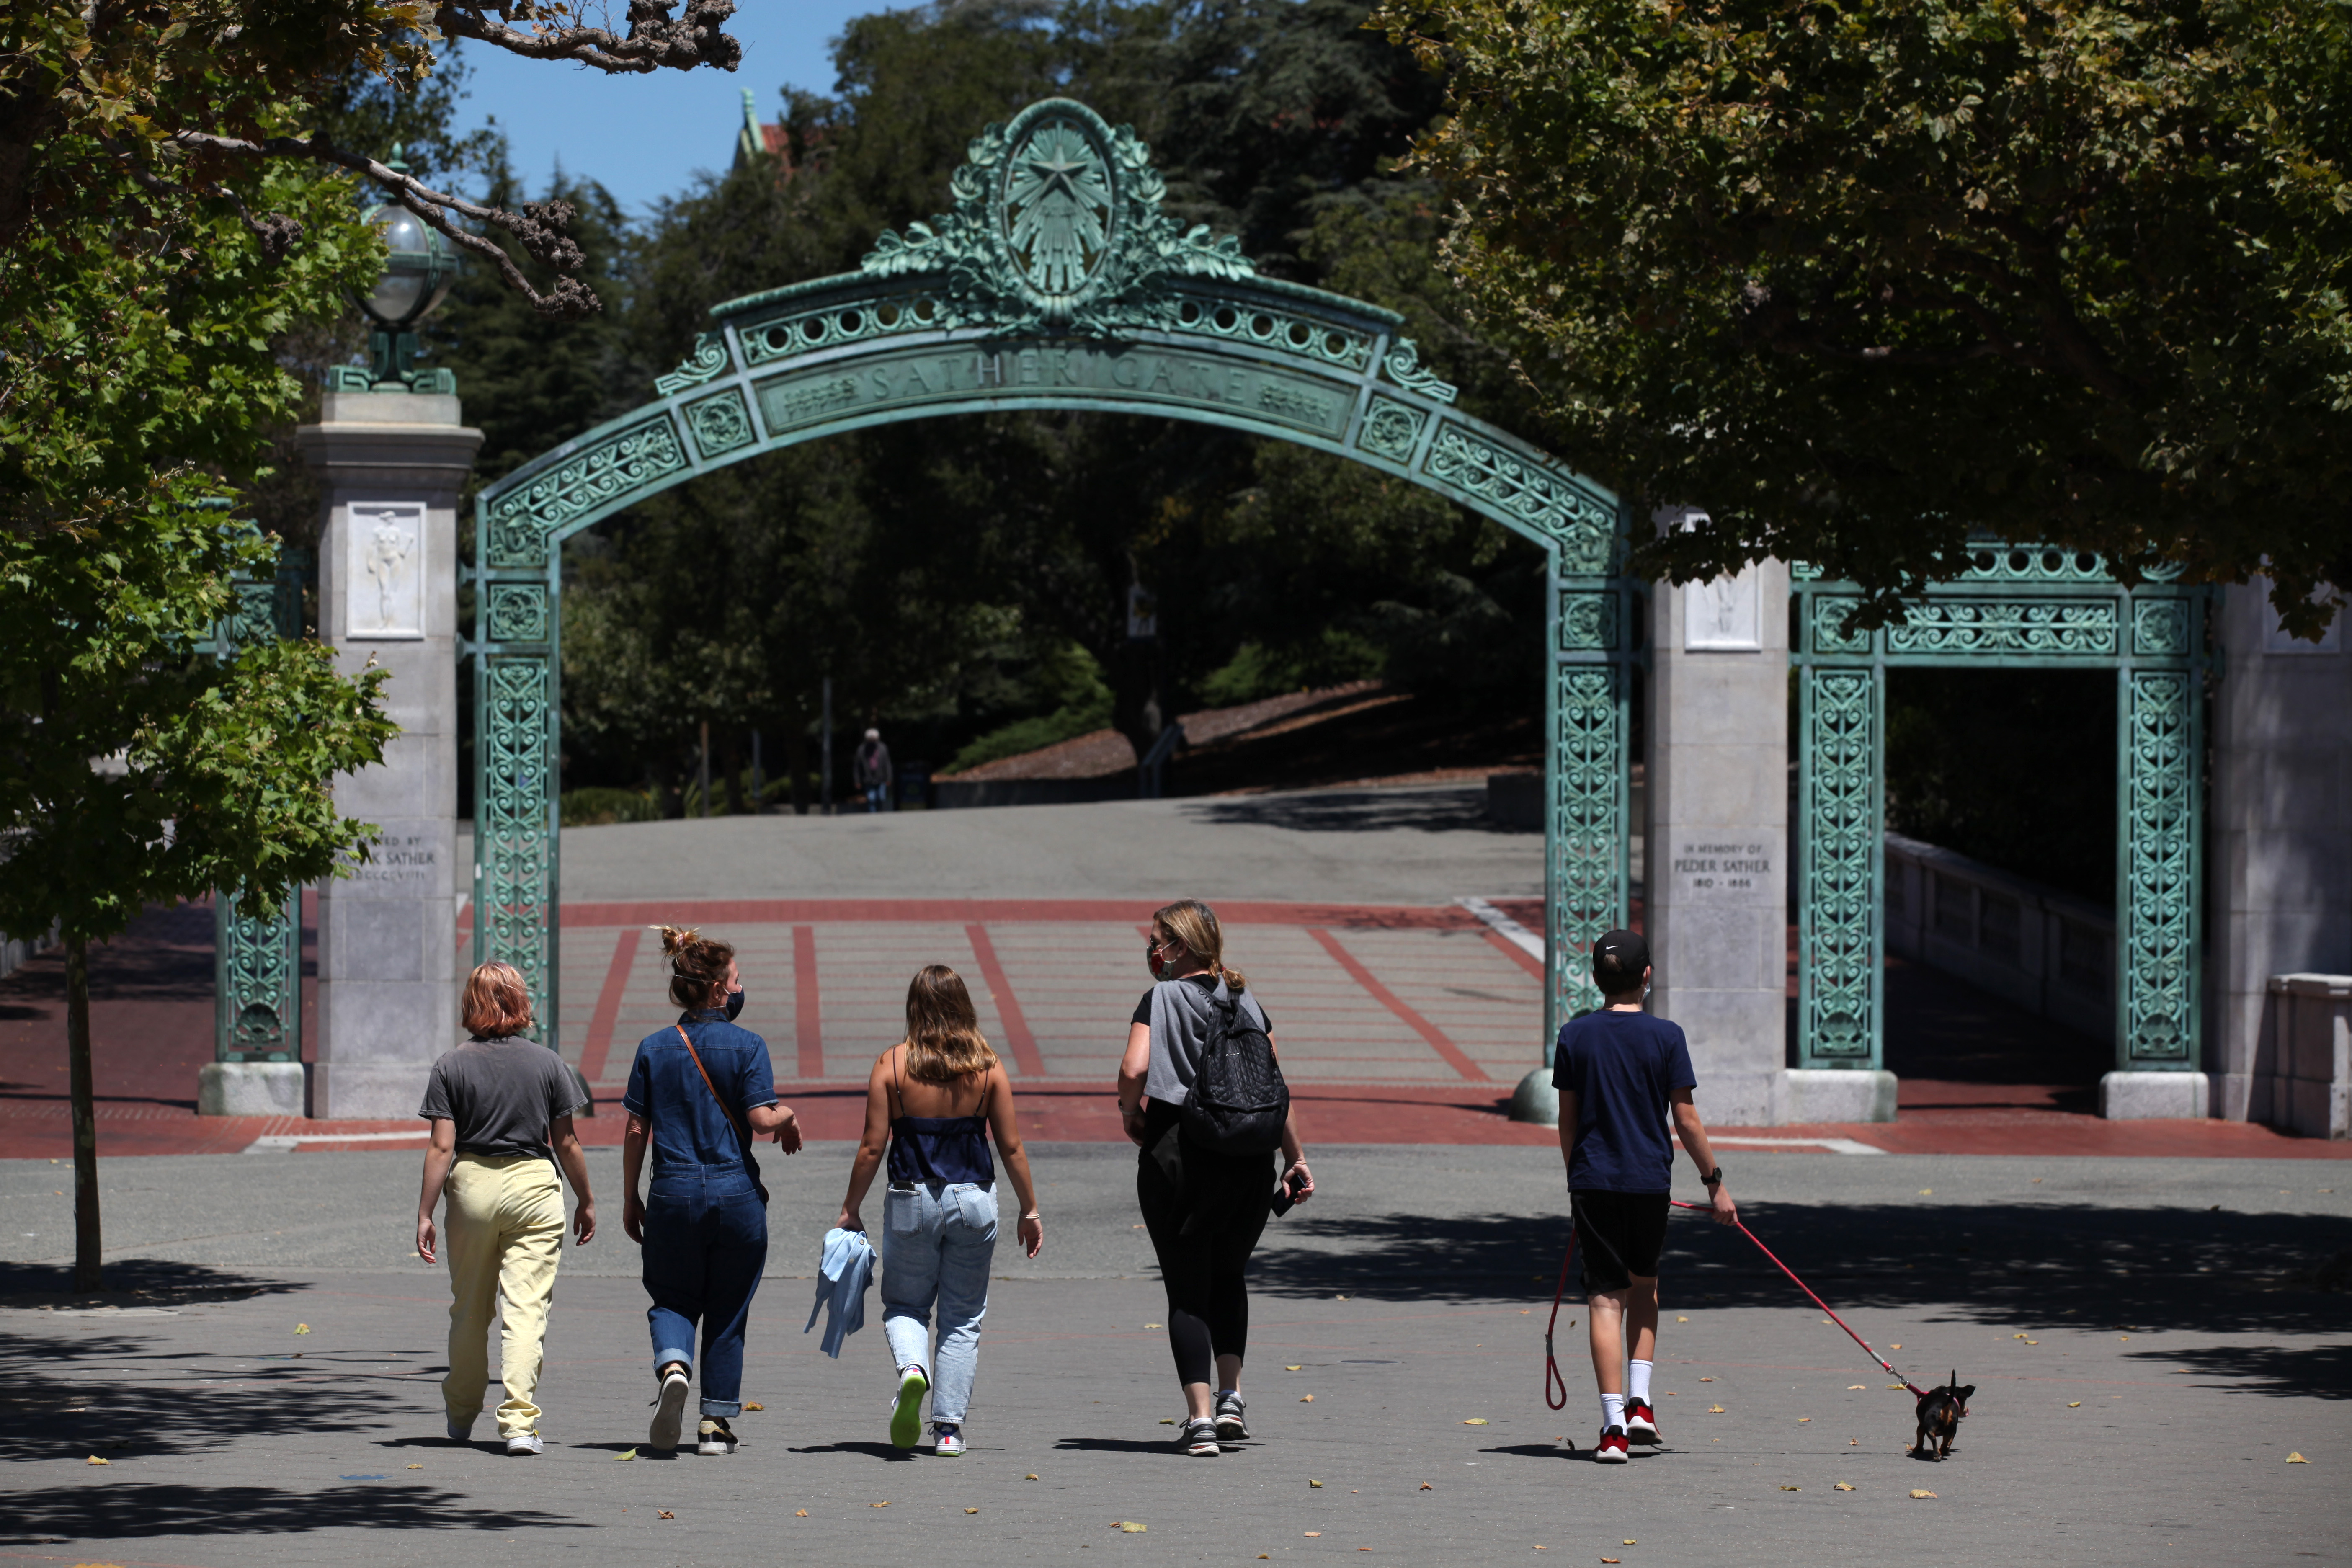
{"points": [[134, 1282], [2321, 1371], [889, 1451], [120, 1510], [113, 1390], [2160, 1268], [1357, 811]]}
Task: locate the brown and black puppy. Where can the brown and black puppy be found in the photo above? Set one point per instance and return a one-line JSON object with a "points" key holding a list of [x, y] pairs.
{"points": [[1940, 1412]]}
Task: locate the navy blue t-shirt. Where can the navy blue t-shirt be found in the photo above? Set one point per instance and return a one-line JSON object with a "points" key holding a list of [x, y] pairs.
{"points": [[1621, 1066]]}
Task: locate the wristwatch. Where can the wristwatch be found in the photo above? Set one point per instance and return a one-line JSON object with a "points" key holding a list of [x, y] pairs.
{"points": [[1713, 1178]]}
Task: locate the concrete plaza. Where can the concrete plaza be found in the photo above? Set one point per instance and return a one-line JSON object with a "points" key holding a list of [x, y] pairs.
{"points": [[2175, 1349]]}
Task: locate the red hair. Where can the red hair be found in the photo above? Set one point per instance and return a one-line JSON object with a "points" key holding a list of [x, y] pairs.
{"points": [[498, 1003]]}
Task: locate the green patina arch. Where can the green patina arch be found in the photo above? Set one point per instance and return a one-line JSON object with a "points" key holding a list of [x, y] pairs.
{"points": [[1054, 281]]}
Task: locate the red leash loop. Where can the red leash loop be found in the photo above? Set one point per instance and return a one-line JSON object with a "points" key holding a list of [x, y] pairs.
{"points": [[1551, 1367], [1817, 1302]]}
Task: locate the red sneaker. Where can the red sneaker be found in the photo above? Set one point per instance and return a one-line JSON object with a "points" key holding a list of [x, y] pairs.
{"points": [[1640, 1422], [1611, 1449]]}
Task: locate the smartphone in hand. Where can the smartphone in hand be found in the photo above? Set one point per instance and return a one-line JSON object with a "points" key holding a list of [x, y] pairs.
{"points": [[1286, 1194]]}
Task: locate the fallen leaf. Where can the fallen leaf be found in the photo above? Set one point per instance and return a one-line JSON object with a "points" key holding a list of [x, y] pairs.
{"points": [[1265, 1556], [1426, 1486], [630, 1454], [1921, 1492], [1030, 1477], [1802, 1419], [802, 1514], [2074, 1405], [1631, 1541], [1898, 1386], [2017, 1336], [1168, 1421], [1613, 1559], [1525, 1311], [1305, 1399], [1475, 1420], [301, 1327], [1706, 1380], [420, 1467], [1854, 1386], [1672, 1394], [1792, 1489], [883, 1503], [755, 1407], [1155, 1325], [1311, 1534], [664, 1514], [95, 1460], [972, 1510], [1290, 1369], [1927, 1192], [1682, 1320], [1343, 1298], [1894, 1347], [2291, 1459], [1715, 1410], [2123, 1336], [1314, 1483], [1841, 1486]]}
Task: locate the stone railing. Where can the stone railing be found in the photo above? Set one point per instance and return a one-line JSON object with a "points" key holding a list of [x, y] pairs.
{"points": [[2050, 953], [2303, 1061]]}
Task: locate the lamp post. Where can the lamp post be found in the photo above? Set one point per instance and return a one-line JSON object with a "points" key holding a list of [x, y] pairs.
{"points": [[416, 277]]}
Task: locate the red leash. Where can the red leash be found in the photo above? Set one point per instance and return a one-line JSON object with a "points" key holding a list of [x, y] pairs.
{"points": [[1551, 1367]]}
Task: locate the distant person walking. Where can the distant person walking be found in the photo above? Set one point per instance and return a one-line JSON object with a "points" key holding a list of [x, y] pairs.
{"points": [[1204, 1210], [935, 1098], [501, 1108], [1620, 1073], [871, 769], [698, 1092]]}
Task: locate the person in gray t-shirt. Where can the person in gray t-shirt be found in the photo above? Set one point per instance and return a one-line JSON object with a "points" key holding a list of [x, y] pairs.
{"points": [[501, 1106]]}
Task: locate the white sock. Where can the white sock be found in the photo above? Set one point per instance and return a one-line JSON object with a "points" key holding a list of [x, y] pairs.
{"points": [[1637, 1381], [1613, 1411]]}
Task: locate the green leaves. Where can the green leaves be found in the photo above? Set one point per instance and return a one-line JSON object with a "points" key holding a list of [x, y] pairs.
{"points": [[1860, 278]]}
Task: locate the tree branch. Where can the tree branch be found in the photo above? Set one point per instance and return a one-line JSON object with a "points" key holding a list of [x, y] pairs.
{"points": [[653, 41], [538, 226]]}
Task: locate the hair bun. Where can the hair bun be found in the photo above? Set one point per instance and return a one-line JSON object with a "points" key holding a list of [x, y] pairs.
{"points": [[677, 938]]}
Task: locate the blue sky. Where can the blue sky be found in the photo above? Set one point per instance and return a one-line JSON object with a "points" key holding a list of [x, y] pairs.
{"points": [[645, 136]]}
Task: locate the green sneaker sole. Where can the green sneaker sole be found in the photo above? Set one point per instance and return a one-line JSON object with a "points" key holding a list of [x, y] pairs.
{"points": [[907, 1415]]}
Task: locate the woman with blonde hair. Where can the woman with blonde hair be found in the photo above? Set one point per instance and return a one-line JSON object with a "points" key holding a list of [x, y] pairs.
{"points": [[501, 1106], [934, 1098], [1204, 1209], [699, 1091]]}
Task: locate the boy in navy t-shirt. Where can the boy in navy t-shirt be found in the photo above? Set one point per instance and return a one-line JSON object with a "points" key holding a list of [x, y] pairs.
{"points": [[1620, 1073]]}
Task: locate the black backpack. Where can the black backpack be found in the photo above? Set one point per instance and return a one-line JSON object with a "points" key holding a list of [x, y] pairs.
{"points": [[1239, 1104]]}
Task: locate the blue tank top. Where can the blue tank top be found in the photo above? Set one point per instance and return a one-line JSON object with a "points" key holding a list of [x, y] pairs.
{"points": [[944, 1149]]}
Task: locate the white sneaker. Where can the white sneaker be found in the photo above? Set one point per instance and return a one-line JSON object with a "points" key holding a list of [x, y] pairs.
{"points": [[670, 1413], [524, 1444], [947, 1442], [460, 1432]]}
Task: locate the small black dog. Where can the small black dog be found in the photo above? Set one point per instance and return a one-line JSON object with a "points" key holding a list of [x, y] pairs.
{"points": [[1940, 1412]]}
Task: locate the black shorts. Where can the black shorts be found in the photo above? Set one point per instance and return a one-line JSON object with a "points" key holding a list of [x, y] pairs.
{"points": [[1618, 1235]]}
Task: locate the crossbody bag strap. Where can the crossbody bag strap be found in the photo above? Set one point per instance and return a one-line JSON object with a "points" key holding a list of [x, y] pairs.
{"points": [[713, 1087]]}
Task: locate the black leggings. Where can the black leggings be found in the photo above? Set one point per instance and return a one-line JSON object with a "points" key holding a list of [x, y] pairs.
{"points": [[1206, 1273]]}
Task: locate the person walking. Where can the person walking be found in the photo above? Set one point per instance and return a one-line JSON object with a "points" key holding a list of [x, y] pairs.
{"points": [[1204, 1210], [935, 1098], [871, 769], [501, 1108], [1620, 1073], [699, 1091]]}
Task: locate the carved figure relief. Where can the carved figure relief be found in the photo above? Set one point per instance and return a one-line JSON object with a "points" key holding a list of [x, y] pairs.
{"points": [[1723, 615], [384, 580]]}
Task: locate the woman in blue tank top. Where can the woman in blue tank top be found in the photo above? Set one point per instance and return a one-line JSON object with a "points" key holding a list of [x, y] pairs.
{"points": [[933, 1100]]}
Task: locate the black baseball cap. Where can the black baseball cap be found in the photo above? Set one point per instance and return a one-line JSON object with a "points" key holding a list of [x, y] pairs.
{"points": [[1625, 951]]}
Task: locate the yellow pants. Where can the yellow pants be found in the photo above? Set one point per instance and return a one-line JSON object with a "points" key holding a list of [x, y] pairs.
{"points": [[504, 1236]]}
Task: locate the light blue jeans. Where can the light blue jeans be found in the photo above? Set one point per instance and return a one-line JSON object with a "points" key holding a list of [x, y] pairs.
{"points": [[936, 1247]]}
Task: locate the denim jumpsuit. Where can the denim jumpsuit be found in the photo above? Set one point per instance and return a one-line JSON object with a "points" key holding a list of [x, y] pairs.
{"points": [[707, 1215]]}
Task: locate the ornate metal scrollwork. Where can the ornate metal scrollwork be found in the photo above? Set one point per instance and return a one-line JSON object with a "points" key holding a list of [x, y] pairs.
{"points": [[1392, 430], [256, 963], [1585, 529], [719, 424], [2157, 935], [2006, 625], [517, 612], [1404, 367], [523, 518], [1588, 828], [708, 361], [1838, 991]]}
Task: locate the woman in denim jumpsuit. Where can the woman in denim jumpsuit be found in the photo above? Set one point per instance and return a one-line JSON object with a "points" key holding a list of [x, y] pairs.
{"points": [[933, 1100], [698, 1091]]}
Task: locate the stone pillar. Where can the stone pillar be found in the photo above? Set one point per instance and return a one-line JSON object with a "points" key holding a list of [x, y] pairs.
{"points": [[391, 466], [1716, 840], [2282, 845]]}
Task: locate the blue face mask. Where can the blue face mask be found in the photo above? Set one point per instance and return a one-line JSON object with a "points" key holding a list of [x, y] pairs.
{"points": [[734, 1004]]}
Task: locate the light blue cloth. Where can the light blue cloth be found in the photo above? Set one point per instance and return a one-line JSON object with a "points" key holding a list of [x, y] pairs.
{"points": [[936, 1247], [841, 1282]]}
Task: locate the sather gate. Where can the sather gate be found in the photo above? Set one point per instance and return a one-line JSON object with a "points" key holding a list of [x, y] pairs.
{"points": [[1054, 282]]}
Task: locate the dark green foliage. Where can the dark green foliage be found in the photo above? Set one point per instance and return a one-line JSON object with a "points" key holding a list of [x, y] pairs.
{"points": [[2012, 767]]}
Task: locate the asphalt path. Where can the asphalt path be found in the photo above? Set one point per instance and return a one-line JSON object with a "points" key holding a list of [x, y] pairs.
{"points": [[2150, 1342]]}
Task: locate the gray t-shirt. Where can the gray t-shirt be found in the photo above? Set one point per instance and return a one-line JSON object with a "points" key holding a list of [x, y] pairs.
{"points": [[502, 1094], [1178, 1012]]}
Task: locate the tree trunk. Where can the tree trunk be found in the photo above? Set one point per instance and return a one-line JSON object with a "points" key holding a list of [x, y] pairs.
{"points": [[88, 1270], [796, 763], [731, 757]]}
